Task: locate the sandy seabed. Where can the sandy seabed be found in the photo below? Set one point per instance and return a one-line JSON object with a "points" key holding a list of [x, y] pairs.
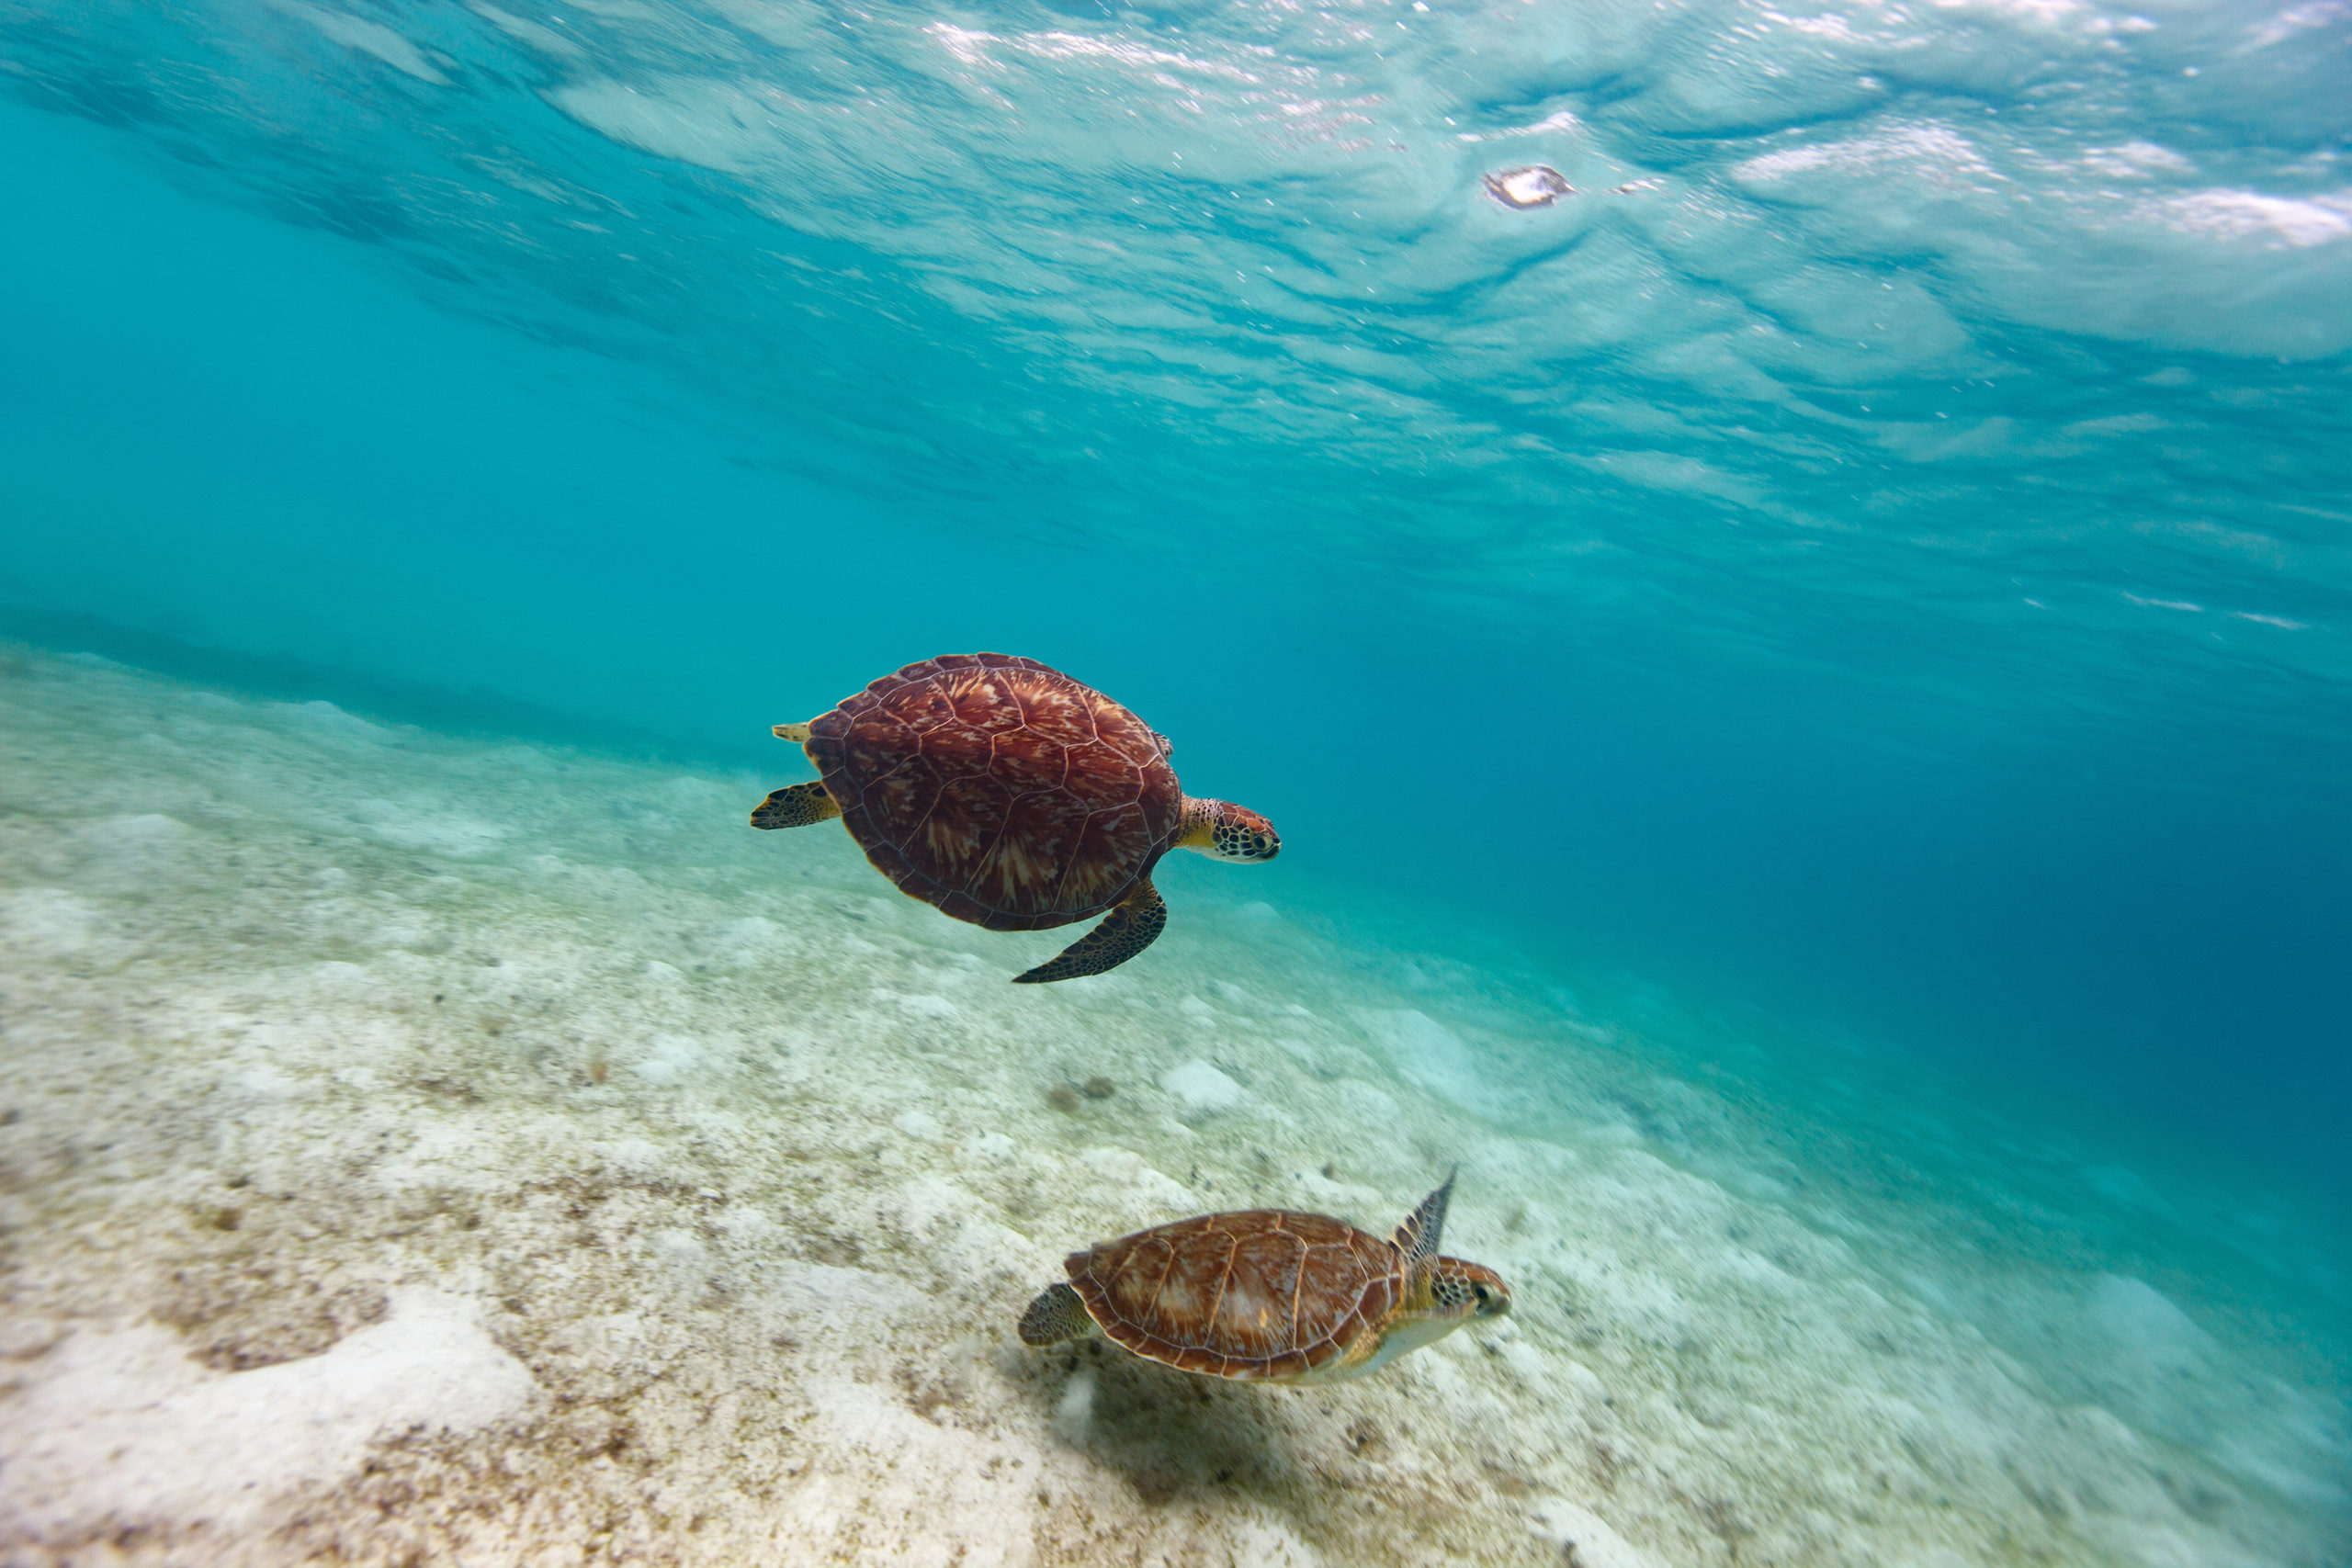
{"points": [[418, 1149]]}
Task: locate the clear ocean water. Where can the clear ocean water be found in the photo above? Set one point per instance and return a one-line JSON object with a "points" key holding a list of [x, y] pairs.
{"points": [[1806, 684]]}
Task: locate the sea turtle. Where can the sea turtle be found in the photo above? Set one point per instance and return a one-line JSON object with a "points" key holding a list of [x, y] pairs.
{"points": [[1014, 797], [1269, 1296]]}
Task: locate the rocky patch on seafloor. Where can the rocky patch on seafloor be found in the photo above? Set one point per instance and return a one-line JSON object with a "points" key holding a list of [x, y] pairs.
{"points": [[426, 1150]]}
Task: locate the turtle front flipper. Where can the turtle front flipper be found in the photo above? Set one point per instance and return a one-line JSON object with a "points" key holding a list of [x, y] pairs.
{"points": [[1417, 1238], [796, 805], [1124, 932]]}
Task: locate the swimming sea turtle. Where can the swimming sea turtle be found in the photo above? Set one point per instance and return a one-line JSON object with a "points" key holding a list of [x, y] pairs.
{"points": [[1014, 797], [1269, 1296]]}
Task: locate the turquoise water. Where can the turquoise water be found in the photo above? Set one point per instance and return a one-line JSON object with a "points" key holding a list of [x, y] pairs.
{"points": [[1845, 612]]}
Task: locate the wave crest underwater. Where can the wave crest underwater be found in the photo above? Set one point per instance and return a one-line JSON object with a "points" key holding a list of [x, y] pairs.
{"points": [[1781, 569]]}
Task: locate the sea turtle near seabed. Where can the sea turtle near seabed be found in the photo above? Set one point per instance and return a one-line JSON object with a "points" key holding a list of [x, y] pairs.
{"points": [[1269, 1296], [1009, 795]]}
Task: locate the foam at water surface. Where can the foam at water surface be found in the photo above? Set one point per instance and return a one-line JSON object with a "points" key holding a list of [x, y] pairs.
{"points": [[626, 1183], [1821, 266]]}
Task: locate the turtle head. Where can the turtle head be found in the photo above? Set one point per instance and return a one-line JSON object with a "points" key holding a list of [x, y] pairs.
{"points": [[1441, 1294], [1461, 1290], [1222, 830]]}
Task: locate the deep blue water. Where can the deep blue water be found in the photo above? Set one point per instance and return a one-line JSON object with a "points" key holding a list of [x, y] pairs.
{"points": [[1880, 549]]}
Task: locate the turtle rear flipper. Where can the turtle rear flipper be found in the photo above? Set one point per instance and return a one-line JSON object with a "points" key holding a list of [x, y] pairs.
{"points": [[1126, 932], [796, 805]]}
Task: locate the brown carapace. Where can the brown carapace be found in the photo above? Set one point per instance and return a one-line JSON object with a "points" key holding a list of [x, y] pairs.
{"points": [[1270, 1294], [1008, 794]]}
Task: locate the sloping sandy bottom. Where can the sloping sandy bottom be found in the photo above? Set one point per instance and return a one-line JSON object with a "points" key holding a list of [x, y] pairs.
{"points": [[420, 1150]]}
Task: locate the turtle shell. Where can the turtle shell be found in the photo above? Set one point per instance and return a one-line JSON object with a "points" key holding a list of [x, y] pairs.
{"points": [[1256, 1293], [999, 789]]}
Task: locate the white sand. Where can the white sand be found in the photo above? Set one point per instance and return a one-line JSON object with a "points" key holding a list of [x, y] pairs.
{"points": [[418, 1149]]}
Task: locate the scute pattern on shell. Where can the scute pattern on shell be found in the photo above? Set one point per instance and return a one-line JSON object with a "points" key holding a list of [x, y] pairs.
{"points": [[999, 789], [1257, 1294]]}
